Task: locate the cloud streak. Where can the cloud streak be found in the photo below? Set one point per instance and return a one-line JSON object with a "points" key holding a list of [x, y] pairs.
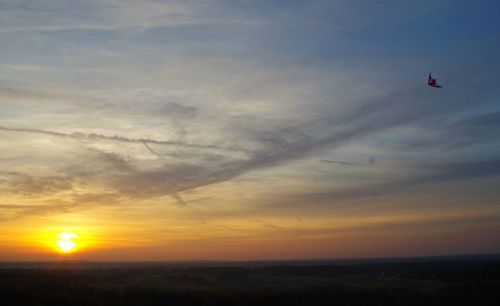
{"points": [[278, 147], [422, 176], [116, 138]]}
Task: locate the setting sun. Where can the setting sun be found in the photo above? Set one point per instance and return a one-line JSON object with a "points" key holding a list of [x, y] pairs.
{"points": [[65, 242]]}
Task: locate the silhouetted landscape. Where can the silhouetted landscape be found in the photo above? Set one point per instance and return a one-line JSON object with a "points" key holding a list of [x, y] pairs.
{"points": [[466, 280]]}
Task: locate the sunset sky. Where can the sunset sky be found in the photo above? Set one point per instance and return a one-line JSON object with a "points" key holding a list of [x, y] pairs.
{"points": [[248, 130]]}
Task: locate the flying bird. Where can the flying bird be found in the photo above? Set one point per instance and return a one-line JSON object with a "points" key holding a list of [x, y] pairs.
{"points": [[432, 82]]}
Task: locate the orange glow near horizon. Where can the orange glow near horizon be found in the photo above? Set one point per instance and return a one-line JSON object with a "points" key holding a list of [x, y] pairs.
{"points": [[101, 236]]}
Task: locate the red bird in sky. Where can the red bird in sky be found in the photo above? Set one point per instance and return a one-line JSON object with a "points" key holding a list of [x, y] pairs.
{"points": [[432, 82]]}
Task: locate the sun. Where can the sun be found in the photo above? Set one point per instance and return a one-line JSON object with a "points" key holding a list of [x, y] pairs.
{"points": [[66, 242]]}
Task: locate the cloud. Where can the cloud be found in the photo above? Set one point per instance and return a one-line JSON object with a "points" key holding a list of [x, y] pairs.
{"points": [[423, 175], [473, 129], [78, 201], [58, 17], [370, 161], [417, 224], [458, 133], [178, 111], [28, 185], [265, 144], [94, 136]]}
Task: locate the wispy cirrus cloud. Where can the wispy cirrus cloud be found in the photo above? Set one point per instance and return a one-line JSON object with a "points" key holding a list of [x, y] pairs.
{"points": [[204, 166]]}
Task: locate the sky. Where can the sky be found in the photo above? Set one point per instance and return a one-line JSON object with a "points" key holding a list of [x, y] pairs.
{"points": [[249, 130]]}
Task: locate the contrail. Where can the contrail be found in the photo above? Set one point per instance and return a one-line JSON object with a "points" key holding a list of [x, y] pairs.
{"points": [[340, 162], [178, 199], [151, 150], [93, 136], [370, 161]]}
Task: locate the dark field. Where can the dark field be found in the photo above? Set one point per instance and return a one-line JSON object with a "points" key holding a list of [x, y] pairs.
{"points": [[430, 281]]}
